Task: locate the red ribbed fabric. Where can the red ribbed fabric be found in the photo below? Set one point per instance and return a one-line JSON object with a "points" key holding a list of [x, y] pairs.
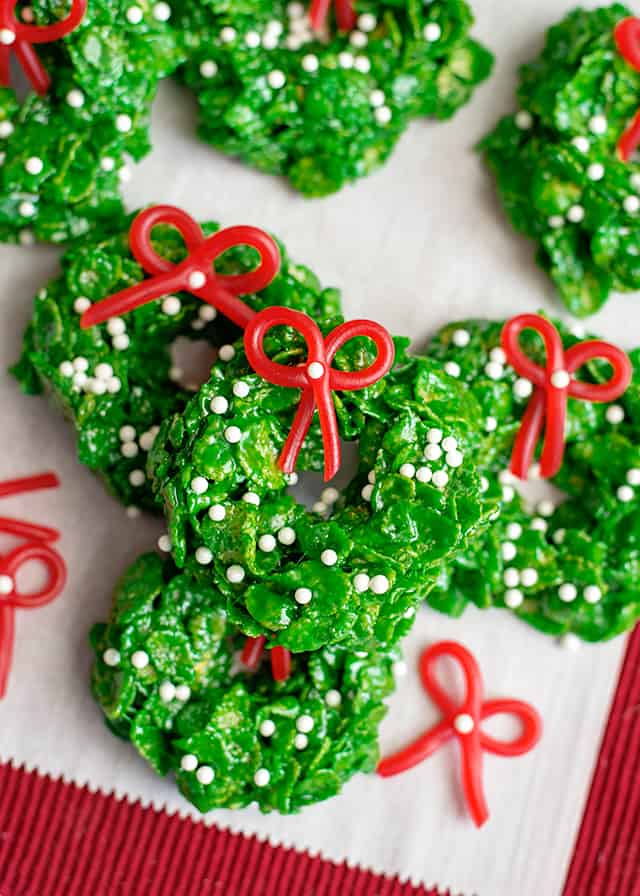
{"points": [[606, 860], [58, 839]]}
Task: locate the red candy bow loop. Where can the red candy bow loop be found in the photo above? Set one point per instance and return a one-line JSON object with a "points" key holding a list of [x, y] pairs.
{"points": [[627, 37], [50, 559], [195, 274], [554, 385], [463, 721], [316, 377], [19, 38], [345, 14]]}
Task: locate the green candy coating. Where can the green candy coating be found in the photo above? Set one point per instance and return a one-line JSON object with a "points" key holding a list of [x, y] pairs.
{"points": [[164, 678], [556, 165], [588, 540]]}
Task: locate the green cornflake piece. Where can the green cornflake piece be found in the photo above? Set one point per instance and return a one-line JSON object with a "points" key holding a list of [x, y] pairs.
{"points": [[351, 573], [164, 677], [325, 112], [558, 173], [116, 382], [566, 566]]}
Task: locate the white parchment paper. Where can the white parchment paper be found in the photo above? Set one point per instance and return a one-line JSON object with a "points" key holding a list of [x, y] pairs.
{"points": [[419, 243]]}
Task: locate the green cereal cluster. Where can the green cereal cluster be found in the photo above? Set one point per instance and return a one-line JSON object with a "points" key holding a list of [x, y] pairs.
{"points": [[352, 571], [558, 173], [64, 156], [326, 111], [568, 566], [164, 677], [115, 382]]}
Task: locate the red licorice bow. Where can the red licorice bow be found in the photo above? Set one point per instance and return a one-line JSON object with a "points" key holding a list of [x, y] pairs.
{"points": [[37, 549], [627, 37], [316, 377], [553, 385], [18, 38], [280, 657], [463, 721], [195, 274], [345, 14]]}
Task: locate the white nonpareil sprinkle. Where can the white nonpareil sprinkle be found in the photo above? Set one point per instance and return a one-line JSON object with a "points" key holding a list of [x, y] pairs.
{"points": [[164, 544], [440, 478], [432, 32], [513, 598], [204, 556], [508, 551], [27, 209], [383, 115], [189, 763], [315, 370], [633, 476], [575, 214], [276, 79], [66, 369], [241, 389], [140, 659], [434, 436], [303, 596], [449, 444], [310, 63], [233, 435], [361, 582], [524, 120], [595, 171], [330, 495], [490, 424], [124, 123], [261, 777], [514, 531], [433, 451], [81, 305], [367, 491], [162, 12], [217, 513], [111, 656], [167, 692], [567, 592], [267, 543], [235, 574], [625, 494], [345, 60], [424, 474], [454, 459], [301, 741], [560, 379], [379, 584], [463, 723], [252, 39], [494, 370], [197, 279], [171, 305], [219, 404], [592, 594], [226, 353], [75, 99], [129, 449], [34, 165], [539, 525], [452, 369], [358, 39], [407, 470], [329, 557], [183, 692], [319, 507], [582, 144], [199, 485], [228, 35], [134, 15], [267, 728], [208, 68], [522, 388], [614, 414], [559, 536], [205, 775], [529, 577], [362, 64], [511, 578], [556, 222], [304, 723], [598, 125], [287, 536], [251, 498], [498, 355], [333, 698], [545, 508], [137, 478]]}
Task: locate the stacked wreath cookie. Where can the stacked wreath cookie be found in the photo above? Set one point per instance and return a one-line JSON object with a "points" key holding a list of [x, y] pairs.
{"points": [[564, 163]]}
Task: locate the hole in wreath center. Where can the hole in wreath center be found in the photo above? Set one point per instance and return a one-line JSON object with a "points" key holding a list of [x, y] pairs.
{"points": [[309, 488]]}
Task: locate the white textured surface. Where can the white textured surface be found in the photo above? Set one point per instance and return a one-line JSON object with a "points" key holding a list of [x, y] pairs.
{"points": [[419, 243]]}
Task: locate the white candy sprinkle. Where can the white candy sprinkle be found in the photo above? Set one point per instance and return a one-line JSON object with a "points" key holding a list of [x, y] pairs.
{"points": [[189, 763], [345, 60], [140, 659], [268, 728], [614, 414], [379, 584], [567, 592], [508, 551], [137, 478], [319, 507], [424, 474], [219, 405], [315, 370], [66, 369], [633, 476], [529, 577], [333, 698], [162, 12], [217, 513], [383, 115], [205, 775], [524, 120], [304, 724], [434, 436], [310, 63], [461, 338], [625, 494], [164, 544], [361, 582], [514, 531], [513, 598], [592, 594], [598, 125], [261, 777], [407, 470], [556, 221], [116, 326], [498, 355], [432, 32], [80, 380], [171, 305], [235, 574], [252, 39], [34, 165], [104, 371], [539, 525], [490, 424], [511, 577], [582, 144], [129, 449], [286, 536], [463, 723], [80, 364], [329, 557], [362, 64], [301, 741], [452, 369], [233, 435], [241, 389], [575, 214], [183, 692], [330, 495], [7, 37], [440, 478], [560, 379], [251, 498], [228, 35], [207, 313], [494, 370], [303, 596], [595, 171], [226, 353], [267, 543], [559, 536], [208, 68], [197, 279], [81, 305], [199, 485], [27, 209], [546, 508], [377, 98], [358, 39], [367, 491], [134, 15], [522, 388], [124, 123], [631, 205], [454, 459], [111, 656], [276, 79], [75, 99], [570, 642], [433, 451], [204, 556], [167, 692]]}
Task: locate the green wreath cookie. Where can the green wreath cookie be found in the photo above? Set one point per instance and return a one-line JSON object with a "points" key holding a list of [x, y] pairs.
{"points": [[326, 109], [164, 678], [557, 160], [116, 382], [566, 566]]}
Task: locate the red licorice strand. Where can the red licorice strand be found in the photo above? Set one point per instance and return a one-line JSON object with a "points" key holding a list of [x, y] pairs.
{"points": [[553, 385], [28, 484], [316, 377], [280, 663], [252, 652], [345, 14], [19, 38], [627, 37], [463, 721], [194, 275]]}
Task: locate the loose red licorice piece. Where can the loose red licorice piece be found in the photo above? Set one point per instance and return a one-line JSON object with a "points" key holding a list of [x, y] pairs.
{"points": [[627, 37], [553, 385], [316, 377], [344, 9]]}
